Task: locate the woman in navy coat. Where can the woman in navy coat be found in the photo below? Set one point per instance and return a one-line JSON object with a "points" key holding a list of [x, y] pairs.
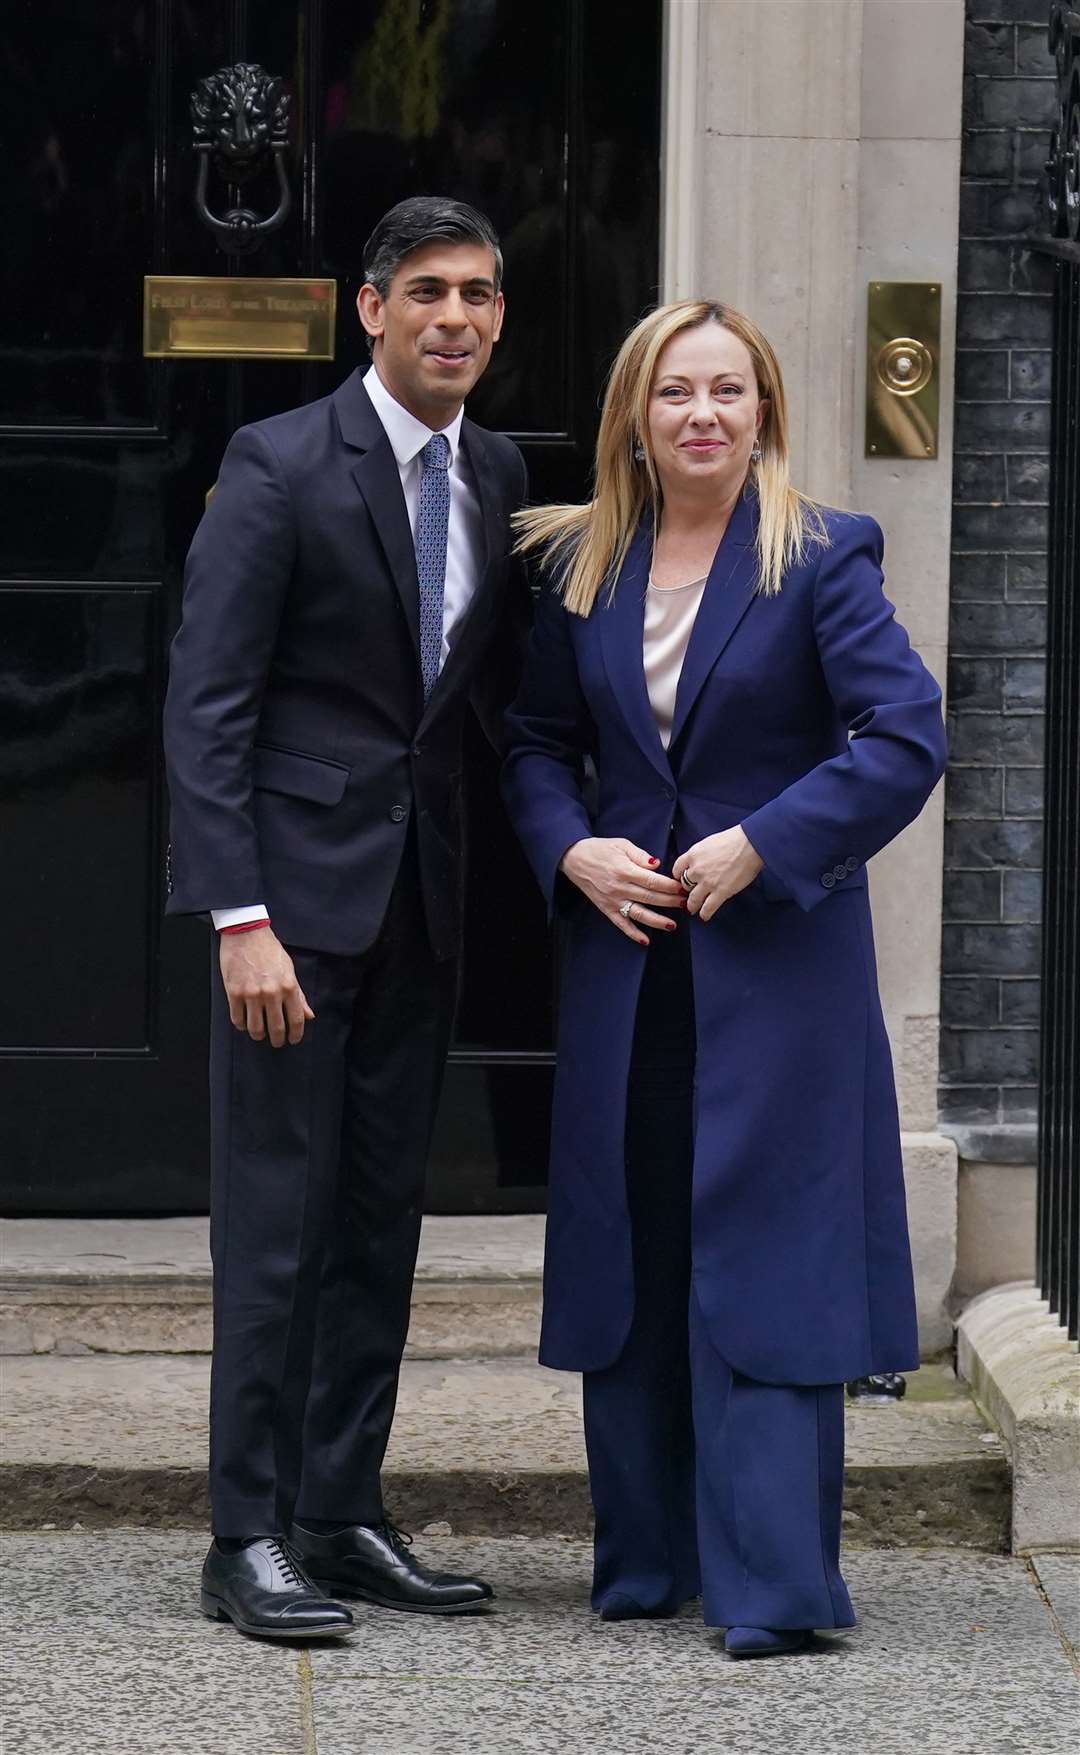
{"points": [[720, 722]]}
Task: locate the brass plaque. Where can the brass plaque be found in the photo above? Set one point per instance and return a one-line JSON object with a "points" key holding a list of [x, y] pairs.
{"points": [[210, 317], [903, 368]]}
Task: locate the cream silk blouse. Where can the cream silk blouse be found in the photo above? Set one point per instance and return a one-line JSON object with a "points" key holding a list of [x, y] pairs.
{"points": [[669, 617]]}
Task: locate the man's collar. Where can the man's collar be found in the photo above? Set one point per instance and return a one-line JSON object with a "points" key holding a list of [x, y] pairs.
{"points": [[406, 434]]}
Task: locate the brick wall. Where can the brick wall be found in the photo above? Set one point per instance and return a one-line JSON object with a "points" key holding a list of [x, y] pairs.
{"points": [[993, 836]]}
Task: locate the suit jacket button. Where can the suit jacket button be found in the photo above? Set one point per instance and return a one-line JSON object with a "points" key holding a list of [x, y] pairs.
{"points": [[851, 863], [398, 813], [416, 752], [839, 871], [828, 882]]}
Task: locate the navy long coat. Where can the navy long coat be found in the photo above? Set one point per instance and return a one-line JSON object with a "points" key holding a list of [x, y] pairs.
{"points": [[807, 718]]}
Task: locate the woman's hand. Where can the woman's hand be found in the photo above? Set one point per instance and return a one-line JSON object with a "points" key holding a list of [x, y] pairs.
{"points": [[614, 872], [720, 866]]}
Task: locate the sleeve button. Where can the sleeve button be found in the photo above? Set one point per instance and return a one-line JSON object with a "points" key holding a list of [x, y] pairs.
{"points": [[398, 813], [828, 881], [851, 863]]}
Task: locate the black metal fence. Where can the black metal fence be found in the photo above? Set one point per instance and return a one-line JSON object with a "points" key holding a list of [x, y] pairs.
{"points": [[1059, 1092], [1059, 1083]]}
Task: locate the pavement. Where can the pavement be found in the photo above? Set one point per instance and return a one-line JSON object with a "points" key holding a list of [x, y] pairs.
{"points": [[104, 1650]]}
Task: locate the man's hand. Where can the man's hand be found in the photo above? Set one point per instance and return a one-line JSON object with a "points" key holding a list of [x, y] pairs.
{"points": [[720, 865], [614, 872], [265, 998]]}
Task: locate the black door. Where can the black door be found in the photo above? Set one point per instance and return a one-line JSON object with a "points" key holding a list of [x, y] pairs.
{"points": [[545, 116]]}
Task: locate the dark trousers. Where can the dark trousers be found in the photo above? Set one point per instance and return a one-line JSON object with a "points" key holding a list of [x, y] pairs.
{"points": [[318, 1155], [702, 1479]]}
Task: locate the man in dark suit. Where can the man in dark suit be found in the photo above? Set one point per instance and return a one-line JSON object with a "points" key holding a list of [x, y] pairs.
{"points": [[348, 593]]}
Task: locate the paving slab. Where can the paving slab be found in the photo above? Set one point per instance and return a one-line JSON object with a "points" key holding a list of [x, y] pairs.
{"points": [[77, 1286], [104, 1651], [104, 1648], [488, 1447]]}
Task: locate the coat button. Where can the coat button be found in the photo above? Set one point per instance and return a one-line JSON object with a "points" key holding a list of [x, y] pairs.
{"points": [[839, 872], [398, 813], [851, 863], [828, 881], [416, 752]]}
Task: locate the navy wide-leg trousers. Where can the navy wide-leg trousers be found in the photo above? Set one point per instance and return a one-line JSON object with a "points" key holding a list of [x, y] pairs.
{"points": [[702, 1479]]}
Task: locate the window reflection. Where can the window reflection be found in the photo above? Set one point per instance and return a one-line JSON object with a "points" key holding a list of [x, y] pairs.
{"points": [[467, 100]]}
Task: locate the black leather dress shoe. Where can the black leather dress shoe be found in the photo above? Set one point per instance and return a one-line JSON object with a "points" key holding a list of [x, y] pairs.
{"points": [[263, 1589], [373, 1562]]}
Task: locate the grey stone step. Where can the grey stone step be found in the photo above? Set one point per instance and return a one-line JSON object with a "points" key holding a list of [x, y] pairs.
{"points": [[488, 1447], [75, 1286]]}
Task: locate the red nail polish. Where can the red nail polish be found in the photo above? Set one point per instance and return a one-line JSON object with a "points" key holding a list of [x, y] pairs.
{"points": [[654, 862]]}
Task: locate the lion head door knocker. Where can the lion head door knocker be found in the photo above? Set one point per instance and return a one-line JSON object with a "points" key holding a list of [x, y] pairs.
{"points": [[241, 117]]}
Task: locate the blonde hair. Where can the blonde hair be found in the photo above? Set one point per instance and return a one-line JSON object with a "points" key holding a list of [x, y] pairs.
{"points": [[586, 545]]}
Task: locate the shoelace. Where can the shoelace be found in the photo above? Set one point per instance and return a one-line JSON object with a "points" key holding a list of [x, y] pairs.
{"points": [[288, 1564], [397, 1538]]}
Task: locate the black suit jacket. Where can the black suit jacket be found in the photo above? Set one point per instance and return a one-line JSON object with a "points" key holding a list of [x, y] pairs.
{"points": [[297, 742]]}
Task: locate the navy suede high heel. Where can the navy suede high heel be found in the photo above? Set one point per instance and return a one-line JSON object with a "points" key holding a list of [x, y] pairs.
{"points": [[742, 1642]]}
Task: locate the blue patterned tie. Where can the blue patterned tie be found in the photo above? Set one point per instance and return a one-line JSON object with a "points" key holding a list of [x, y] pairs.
{"points": [[432, 523]]}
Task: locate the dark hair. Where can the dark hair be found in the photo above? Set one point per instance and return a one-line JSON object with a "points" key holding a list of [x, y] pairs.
{"points": [[424, 219]]}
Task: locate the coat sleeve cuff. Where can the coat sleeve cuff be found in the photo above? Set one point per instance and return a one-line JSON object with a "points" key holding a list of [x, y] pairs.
{"points": [[547, 857], [782, 876]]}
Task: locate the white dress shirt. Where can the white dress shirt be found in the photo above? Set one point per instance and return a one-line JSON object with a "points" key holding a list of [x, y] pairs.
{"points": [[464, 541]]}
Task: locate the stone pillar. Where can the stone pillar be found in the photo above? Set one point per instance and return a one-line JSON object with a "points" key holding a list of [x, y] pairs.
{"points": [[813, 146]]}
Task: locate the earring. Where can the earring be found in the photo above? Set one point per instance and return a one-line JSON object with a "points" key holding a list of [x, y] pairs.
{"points": [[639, 452], [755, 455]]}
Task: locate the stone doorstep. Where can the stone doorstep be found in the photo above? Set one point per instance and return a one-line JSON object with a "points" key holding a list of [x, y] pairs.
{"points": [[449, 1321], [130, 1286], [468, 1247], [484, 1447]]}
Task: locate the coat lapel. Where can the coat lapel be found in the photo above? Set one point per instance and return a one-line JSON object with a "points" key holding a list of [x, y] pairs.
{"points": [[376, 475], [622, 633], [728, 594]]}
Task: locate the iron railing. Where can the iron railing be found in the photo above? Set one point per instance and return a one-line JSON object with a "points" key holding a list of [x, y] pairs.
{"points": [[1058, 1237]]}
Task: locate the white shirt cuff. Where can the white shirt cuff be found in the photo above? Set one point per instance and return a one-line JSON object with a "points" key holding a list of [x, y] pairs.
{"points": [[237, 916]]}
